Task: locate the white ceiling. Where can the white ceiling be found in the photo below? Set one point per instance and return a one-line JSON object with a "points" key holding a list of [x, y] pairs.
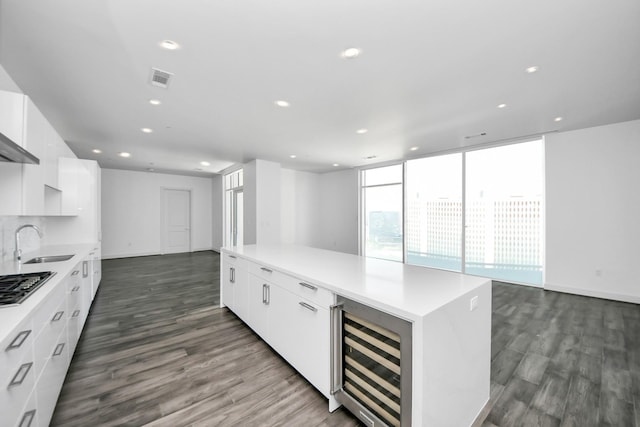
{"points": [[430, 73]]}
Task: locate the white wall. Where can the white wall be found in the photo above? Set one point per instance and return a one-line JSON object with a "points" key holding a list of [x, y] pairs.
{"points": [[132, 211], [338, 230], [217, 215], [593, 211], [261, 195], [299, 207]]}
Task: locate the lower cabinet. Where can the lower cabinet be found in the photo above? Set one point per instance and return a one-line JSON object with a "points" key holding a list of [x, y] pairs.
{"points": [[234, 286], [260, 298], [35, 357], [292, 316], [52, 377]]}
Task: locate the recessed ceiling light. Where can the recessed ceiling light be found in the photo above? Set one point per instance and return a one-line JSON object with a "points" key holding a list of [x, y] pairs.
{"points": [[557, 119], [351, 53], [155, 102], [97, 151], [532, 69], [413, 148], [205, 163], [146, 130], [281, 103], [124, 154], [293, 156], [169, 44], [362, 131], [335, 165], [502, 105]]}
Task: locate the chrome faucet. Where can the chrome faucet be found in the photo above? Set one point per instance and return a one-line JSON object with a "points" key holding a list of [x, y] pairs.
{"points": [[18, 252]]}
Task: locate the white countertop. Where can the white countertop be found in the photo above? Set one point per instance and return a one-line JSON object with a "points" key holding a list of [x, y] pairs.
{"points": [[404, 290], [11, 316]]}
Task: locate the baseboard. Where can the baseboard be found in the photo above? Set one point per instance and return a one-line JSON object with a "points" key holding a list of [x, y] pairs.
{"points": [[591, 293], [133, 255]]}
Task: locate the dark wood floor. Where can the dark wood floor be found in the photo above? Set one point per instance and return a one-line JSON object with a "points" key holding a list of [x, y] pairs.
{"points": [[158, 351]]}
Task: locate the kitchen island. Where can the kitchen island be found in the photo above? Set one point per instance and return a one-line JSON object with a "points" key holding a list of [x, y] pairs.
{"points": [[286, 293]]}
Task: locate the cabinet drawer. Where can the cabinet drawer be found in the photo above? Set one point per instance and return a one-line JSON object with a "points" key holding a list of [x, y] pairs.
{"points": [[74, 328], [231, 259], [50, 382], [263, 272], [306, 289], [23, 416], [16, 347], [16, 387], [302, 288], [46, 341], [300, 331], [43, 314]]}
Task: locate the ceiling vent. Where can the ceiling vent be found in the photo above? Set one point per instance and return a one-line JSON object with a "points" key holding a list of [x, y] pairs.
{"points": [[160, 78]]}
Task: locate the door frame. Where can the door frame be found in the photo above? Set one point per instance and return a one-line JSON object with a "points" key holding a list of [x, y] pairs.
{"points": [[163, 217]]}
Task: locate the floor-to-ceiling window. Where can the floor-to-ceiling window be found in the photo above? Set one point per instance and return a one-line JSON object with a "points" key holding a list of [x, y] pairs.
{"points": [[489, 223], [504, 212], [434, 212], [233, 185], [382, 212]]}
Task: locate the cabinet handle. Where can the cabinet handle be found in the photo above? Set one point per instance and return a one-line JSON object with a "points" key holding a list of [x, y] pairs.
{"points": [[232, 274], [75, 272], [57, 316], [232, 256], [335, 346], [27, 418], [308, 306], [75, 289], [85, 268], [266, 294], [266, 270], [58, 350], [75, 313], [21, 374], [306, 285], [18, 340]]}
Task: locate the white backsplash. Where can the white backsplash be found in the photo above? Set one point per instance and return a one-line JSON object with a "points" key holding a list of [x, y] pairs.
{"points": [[29, 239]]}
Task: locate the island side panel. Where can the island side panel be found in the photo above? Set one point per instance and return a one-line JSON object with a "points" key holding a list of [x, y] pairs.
{"points": [[456, 361]]}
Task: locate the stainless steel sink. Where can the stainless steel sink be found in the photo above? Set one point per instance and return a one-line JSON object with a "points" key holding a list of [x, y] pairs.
{"points": [[52, 258]]}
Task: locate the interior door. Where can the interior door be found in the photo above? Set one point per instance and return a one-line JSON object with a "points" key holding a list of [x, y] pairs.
{"points": [[177, 221]]}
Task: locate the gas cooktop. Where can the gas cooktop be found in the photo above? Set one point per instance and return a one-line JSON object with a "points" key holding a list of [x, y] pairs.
{"points": [[15, 288]]}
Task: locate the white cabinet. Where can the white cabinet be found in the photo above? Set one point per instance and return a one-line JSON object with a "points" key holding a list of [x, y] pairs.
{"points": [[260, 292], [95, 270], [12, 106], [75, 311], [291, 315], [294, 316], [234, 286], [17, 373], [12, 126], [52, 378], [53, 151], [33, 175], [85, 284], [29, 189]]}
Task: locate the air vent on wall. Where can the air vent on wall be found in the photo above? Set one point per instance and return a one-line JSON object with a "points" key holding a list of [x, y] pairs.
{"points": [[160, 78]]}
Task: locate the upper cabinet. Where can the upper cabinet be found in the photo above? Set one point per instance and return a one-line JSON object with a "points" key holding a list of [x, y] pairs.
{"points": [[28, 189]]}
